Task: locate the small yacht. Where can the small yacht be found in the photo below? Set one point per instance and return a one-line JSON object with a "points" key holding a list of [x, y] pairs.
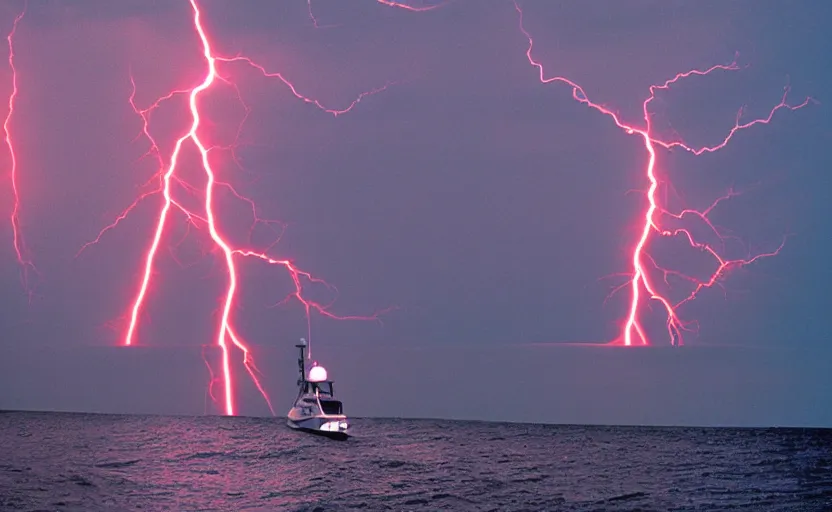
{"points": [[315, 409]]}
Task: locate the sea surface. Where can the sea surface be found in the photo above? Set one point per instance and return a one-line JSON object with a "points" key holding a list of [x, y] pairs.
{"points": [[90, 462]]}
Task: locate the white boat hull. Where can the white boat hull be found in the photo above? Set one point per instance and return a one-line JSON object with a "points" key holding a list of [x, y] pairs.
{"points": [[335, 426]]}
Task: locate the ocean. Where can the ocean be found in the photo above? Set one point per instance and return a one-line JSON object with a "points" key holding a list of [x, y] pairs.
{"points": [[91, 462]]}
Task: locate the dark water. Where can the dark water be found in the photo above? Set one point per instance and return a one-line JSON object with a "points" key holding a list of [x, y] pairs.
{"points": [[100, 462]]}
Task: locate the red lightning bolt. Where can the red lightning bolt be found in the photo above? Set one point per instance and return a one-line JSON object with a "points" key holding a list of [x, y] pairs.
{"points": [[226, 334], [389, 3], [641, 280], [17, 235]]}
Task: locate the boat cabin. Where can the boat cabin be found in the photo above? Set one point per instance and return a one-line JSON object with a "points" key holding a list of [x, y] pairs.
{"points": [[325, 393], [324, 389], [314, 385]]}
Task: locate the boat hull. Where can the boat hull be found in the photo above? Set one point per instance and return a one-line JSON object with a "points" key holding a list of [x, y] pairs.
{"points": [[331, 427]]}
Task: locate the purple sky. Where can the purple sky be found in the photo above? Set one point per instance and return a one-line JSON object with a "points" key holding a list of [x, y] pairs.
{"points": [[483, 204]]}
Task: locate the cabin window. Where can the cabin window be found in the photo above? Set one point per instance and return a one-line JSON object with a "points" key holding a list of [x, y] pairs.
{"points": [[331, 406], [325, 388]]}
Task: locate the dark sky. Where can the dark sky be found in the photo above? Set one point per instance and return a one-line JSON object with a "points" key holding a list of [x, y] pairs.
{"points": [[483, 204]]}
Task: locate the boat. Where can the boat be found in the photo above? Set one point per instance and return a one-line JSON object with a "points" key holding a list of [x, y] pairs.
{"points": [[316, 410]]}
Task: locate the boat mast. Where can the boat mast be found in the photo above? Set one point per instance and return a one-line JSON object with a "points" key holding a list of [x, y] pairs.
{"points": [[302, 347]]}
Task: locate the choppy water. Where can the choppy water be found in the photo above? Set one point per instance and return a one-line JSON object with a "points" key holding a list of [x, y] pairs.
{"points": [[51, 461]]}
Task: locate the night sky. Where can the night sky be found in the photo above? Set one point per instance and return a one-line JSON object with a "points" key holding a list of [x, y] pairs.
{"points": [[491, 210]]}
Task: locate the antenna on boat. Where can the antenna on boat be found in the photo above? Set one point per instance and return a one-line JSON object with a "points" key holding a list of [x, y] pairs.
{"points": [[302, 346]]}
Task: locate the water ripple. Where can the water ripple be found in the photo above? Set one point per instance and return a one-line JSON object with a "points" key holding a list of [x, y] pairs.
{"points": [[100, 462]]}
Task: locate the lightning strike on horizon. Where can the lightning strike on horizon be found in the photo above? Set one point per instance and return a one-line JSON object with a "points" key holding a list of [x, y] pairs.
{"points": [[20, 249], [640, 278], [226, 334]]}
